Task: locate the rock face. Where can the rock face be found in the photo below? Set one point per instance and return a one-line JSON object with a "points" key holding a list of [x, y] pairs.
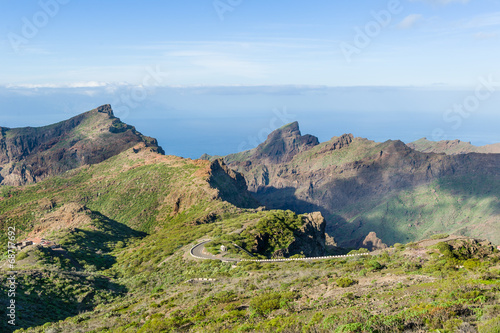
{"points": [[372, 242], [361, 186], [231, 185], [29, 155], [283, 144], [310, 239]]}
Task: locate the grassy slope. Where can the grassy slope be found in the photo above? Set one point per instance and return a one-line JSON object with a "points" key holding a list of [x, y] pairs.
{"points": [[127, 194], [456, 205], [452, 147], [134, 189], [359, 149], [415, 287], [141, 284]]}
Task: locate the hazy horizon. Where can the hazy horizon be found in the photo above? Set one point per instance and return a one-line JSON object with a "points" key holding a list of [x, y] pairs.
{"points": [[205, 77], [238, 118]]}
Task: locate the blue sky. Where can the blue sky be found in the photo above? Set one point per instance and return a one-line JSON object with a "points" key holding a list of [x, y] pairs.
{"points": [[66, 56]]}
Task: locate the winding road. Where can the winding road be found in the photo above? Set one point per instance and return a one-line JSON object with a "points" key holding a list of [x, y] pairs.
{"points": [[198, 251]]}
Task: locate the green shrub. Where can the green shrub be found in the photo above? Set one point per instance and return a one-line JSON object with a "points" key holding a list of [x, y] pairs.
{"points": [[445, 250], [266, 303], [345, 282], [350, 328], [349, 296], [375, 265], [22, 255], [439, 236], [359, 251], [490, 326], [119, 245], [410, 266], [472, 264]]}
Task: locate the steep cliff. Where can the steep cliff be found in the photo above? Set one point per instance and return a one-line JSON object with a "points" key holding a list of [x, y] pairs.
{"points": [[231, 185], [362, 186], [29, 155]]}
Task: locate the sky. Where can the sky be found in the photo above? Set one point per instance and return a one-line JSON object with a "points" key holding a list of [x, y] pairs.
{"points": [[210, 75]]}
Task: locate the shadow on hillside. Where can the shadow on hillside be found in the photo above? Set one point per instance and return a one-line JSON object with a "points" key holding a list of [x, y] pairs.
{"points": [[336, 225], [52, 295], [41, 299], [398, 221], [93, 247], [233, 190]]}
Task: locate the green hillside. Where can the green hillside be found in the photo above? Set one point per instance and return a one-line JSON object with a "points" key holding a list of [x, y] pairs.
{"points": [[120, 232], [361, 186], [452, 147], [119, 226], [456, 205]]}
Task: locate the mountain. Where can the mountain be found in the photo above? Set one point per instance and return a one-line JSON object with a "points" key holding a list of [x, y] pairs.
{"points": [[113, 241], [136, 208], [282, 145], [452, 147], [362, 186], [29, 155]]}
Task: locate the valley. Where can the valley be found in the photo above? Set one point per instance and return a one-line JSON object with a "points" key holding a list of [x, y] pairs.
{"points": [[348, 235]]}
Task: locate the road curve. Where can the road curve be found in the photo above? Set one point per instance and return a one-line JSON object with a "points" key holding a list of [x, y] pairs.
{"points": [[198, 252]]}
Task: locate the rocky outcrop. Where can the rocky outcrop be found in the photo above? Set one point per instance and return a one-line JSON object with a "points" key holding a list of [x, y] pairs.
{"points": [[283, 144], [372, 242], [337, 143], [231, 185], [310, 238], [67, 217], [29, 155], [471, 248], [280, 147]]}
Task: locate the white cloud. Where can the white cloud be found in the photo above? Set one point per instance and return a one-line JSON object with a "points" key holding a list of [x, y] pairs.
{"points": [[410, 21], [90, 84]]}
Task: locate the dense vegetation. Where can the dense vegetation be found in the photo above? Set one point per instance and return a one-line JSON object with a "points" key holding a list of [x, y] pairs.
{"points": [[418, 286], [264, 238]]}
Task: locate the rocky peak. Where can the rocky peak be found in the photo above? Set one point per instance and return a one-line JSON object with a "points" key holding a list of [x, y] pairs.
{"points": [[106, 108], [337, 143], [284, 143], [29, 155]]}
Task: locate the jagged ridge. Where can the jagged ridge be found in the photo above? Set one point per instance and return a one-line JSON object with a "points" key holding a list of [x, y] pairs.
{"points": [[452, 147], [29, 155], [361, 186]]}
